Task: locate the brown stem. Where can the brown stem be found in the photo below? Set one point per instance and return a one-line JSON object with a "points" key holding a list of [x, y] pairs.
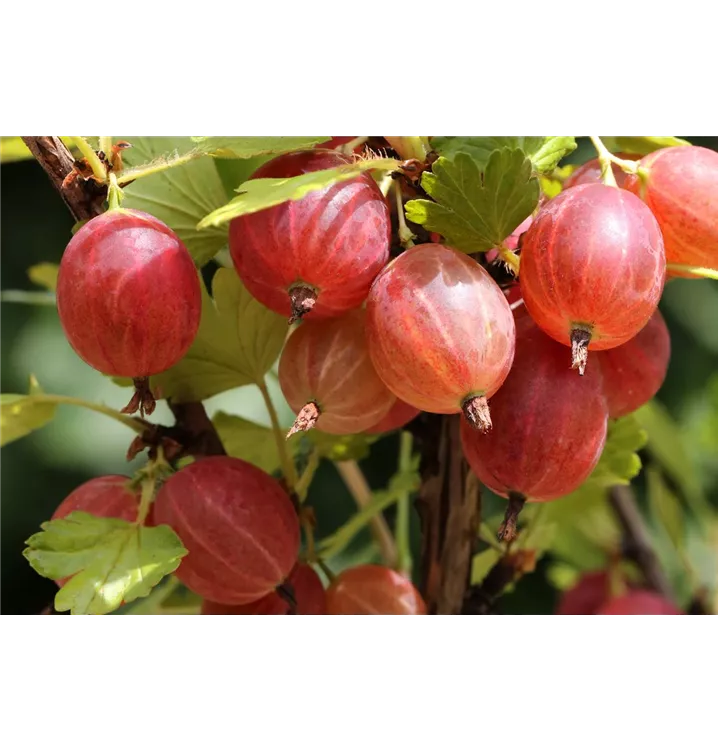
{"points": [[306, 419], [193, 434], [508, 530], [448, 504], [476, 411], [302, 298], [580, 339], [637, 539], [84, 198]]}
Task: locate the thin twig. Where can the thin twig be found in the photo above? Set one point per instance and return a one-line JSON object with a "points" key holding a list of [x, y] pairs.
{"points": [[361, 492], [638, 540]]}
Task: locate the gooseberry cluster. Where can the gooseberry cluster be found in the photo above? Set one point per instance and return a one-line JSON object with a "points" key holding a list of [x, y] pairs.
{"points": [[380, 340]]}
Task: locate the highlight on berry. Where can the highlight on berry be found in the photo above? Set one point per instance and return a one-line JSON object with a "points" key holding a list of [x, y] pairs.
{"points": [[376, 375]]}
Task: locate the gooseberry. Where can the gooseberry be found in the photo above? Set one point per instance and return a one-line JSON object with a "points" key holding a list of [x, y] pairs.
{"points": [[373, 590]]}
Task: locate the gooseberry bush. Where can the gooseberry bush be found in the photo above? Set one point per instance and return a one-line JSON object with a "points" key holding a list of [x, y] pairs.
{"points": [[484, 307]]}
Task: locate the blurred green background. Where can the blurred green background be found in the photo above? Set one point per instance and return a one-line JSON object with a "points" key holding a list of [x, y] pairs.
{"points": [[40, 470]]}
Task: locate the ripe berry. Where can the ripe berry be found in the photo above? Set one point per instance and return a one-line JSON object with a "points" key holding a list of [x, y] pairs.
{"points": [[440, 332], [588, 595], [633, 372], [328, 379], [681, 189], [639, 603], [105, 497], [399, 415], [373, 590], [308, 593], [238, 525], [319, 253], [592, 268], [129, 298], [549, 426], [590, 172]]}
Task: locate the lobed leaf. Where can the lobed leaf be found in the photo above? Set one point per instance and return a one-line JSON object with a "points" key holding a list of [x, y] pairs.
{"points": [[256, 195], [180, 196], [244, 147], [545, 152], [642, 144], [250, 441], [238, 341], [476, 212], [22, 414], [619, 462], [110, 560]]}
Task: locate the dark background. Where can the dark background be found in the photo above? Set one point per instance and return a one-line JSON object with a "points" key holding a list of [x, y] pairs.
{"points": [[40, 470]]}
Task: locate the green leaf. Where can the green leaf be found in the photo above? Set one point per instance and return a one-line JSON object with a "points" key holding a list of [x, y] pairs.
{"points": [[238, 341], [665, 506], [110, 560], [545, 152], [256, 195], [44, 274], [619, 462], [482, 564], [667, 447], [244, 147], [250, 441], [21, 415], [476, 212], [642, 144], [180, 196], [340, 447]]}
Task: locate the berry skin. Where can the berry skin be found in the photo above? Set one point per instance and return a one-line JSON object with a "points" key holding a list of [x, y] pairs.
{"points": [[590, 172], [399, 415], [308, 593], [592, 268], [633, 372], [440, 332], [320, 253], [549, 426], [238, 525], [128, 296], [681, 189], [105, 497], [639, 603], [587, 596], [328, 379], [373, 590]]}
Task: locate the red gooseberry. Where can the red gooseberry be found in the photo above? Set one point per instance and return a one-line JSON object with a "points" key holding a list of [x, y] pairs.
{"points": [[319, 253], [589, 594], [129, 299], [373, 590], [680, 186], [639, 602], [399, 415], [307, 590], [592, 268], [440, 331], [239, 527], [590, 172], [328, 378]]}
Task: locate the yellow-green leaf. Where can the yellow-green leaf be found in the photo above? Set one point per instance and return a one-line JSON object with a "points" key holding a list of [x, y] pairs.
{"points": [[642, 144], [238, 341], [45, 275], [256, 195], [110, 560], [244, 147], [20, 415]]}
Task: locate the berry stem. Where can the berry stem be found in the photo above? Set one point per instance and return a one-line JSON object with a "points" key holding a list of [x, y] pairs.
{"points": [[146, 496], [406, 236], [307, 475], [606, 158], [288, 468], [302, 298], [402, 526], [359, 489], [580, 339], [105, 144], [706, 273], [132, 422], [114, 193], [386, 183], [93, 160], [508, 529], [348, 148]]}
